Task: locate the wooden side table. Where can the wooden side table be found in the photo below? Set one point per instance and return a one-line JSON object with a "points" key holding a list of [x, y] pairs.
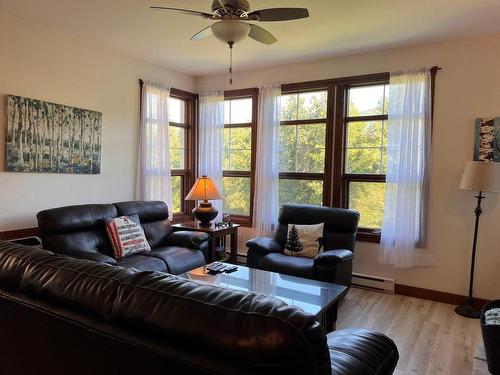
{"points": [[215, 233]]}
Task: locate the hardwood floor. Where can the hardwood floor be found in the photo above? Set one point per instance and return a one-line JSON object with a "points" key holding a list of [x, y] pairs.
{"points": [[431, 338]]}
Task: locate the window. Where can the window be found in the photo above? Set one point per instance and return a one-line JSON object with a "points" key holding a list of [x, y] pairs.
{"points": [[302, 146], [365, 126], [181, 144], [333, 141], [240, 117]]}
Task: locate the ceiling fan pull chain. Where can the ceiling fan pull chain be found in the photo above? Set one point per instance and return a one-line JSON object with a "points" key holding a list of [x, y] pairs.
{"points": [[231, 63]]}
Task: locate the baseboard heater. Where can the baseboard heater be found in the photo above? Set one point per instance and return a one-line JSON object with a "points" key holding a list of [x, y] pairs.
{"points": [[373, 283]]}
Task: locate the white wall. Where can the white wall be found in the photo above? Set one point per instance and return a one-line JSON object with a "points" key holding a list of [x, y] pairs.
{"points": [[39, 63], [467, 87]]}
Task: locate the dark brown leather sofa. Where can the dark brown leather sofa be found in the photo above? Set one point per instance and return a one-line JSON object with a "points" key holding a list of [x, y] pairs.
{"points": [[80, 232], [60, 315]]}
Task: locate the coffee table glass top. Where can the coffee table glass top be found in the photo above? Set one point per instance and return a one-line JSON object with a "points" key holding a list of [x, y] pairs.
{"points": [[310, 295]]}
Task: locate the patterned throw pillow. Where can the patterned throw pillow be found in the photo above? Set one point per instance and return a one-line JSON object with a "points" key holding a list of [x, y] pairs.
{"points": [[126, 236], [304, 240]]}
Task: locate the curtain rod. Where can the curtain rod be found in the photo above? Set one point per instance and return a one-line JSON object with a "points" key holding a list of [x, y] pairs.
{"points": [[435, 68]]}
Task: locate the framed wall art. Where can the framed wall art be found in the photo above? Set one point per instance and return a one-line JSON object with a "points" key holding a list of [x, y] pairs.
{"points": [[52, 138], [487, 139]]}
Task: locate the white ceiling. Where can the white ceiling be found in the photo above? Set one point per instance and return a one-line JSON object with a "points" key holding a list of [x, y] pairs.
{"points": [[334, 27]]}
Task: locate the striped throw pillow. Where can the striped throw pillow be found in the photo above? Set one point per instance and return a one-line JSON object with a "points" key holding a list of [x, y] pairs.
{"points": [[126, 236]]}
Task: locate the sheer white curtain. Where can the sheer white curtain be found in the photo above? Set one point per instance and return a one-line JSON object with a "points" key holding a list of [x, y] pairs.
{"points": [[408, 164], [153, 180], [211, 139], [266, 201]]}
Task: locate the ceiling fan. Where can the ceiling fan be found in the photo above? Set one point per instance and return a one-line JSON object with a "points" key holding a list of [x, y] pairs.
{"points": [[232, 18]]}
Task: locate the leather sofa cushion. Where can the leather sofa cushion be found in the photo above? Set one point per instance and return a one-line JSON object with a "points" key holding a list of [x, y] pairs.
{"points": [[178, 259], [79, 218], [249, 328], [335, 219], [13, 262], [142, 262], [281, 263], [340, 224], [79, 228], [93, 241], [82, 285], [157, 232], [358, 351], [146, 210]]}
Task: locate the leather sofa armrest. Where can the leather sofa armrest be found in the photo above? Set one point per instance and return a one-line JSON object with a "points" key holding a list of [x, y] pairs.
{"points": [[94, 256], [332, 257], [264, 245], [184, 238]]}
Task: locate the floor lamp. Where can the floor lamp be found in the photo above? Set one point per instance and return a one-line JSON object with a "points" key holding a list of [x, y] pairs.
{"points": [[481, 177]]}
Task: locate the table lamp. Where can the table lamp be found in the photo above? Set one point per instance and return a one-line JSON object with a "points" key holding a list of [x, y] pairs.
{"points": [[204, 189], [481, 177]]}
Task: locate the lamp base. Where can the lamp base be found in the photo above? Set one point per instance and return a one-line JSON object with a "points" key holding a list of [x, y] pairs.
{"points": [[205, 212], [469, 311]]}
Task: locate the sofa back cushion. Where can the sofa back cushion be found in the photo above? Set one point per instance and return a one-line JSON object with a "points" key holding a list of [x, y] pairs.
{"points": [[80, 228], [340, 225], [153, 216], [81, 285], [249, 328], [13, 262]]}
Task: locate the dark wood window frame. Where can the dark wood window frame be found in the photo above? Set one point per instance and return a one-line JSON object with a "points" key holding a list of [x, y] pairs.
{"points": [[253, 93], [190, 151], [325, 176], [336, 181], [188, 174], [364, 234]]}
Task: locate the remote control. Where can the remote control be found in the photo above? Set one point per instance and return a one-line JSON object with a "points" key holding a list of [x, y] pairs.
{"points": [[230, 269], [214, 266], [222, 269]]}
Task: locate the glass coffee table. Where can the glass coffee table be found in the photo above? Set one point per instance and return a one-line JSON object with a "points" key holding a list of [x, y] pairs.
{"points": [[316, 297]]}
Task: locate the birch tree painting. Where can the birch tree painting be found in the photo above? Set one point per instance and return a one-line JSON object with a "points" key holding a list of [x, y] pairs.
{"points": [[52, 138], [487, 142]]}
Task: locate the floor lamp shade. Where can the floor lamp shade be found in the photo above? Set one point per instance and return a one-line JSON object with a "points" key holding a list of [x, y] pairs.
{"points": [[481, 177], [203, 190]]}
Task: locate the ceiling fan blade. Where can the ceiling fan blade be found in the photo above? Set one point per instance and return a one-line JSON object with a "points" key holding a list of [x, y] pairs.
{"points": [[279, 14], [261, 35], [202, 34], [185, 11]]}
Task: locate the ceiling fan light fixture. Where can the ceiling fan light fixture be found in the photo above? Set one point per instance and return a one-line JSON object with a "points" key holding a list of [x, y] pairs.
{"points": [[230, 31]]}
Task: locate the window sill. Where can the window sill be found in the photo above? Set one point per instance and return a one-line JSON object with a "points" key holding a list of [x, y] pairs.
{"points": [[244, 221], [368, 236]]}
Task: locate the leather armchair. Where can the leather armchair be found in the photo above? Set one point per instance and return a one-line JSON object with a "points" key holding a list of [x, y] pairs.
{"points": [[333, 264]]}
